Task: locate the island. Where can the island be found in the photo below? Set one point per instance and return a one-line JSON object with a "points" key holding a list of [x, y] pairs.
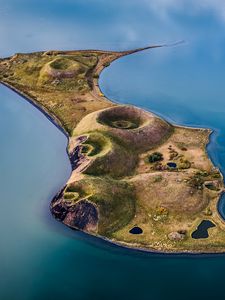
{"points": [[137, 180]]}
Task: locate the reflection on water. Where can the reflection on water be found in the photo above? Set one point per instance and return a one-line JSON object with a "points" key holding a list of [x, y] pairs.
{"points": [[39, 258]]}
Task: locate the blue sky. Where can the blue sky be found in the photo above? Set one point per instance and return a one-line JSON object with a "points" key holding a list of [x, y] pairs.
{"points": [[30, 25]]}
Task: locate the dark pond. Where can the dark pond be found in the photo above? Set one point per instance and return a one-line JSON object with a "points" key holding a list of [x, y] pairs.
{"points": [[202, 231], [136, 230], [172, 165]]}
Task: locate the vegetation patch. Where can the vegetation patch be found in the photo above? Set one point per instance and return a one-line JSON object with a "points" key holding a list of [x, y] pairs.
{"points": [[158, 178], [60, 64], [71, 195], [123, 124], [173, 153], [121, 118], [108, 156], [96, 144], [184, 164], [155, 157], [161, 214], [115, 201], [53, 79], [196, 182], [77, 191]]}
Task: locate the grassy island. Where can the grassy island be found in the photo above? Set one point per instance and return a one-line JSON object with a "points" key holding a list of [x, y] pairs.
{"points": [[137, 180]]}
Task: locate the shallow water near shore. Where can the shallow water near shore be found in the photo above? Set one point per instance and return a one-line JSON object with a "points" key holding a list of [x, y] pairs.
{"points": [[41, 258]]}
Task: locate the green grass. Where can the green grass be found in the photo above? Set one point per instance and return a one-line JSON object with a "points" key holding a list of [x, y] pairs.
{"points": [[111, 119], [61, 63], [184, 164], [71, 196], [155, 157], [123, 124], [115, 201], [109, 157], [64, 98], [96, 144]]}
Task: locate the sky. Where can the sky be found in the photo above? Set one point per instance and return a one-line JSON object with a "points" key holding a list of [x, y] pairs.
{"points": [[28, 25]]}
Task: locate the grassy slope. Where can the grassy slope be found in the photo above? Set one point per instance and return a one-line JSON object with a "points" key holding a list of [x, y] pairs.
{"points": [[115, 200], [67, 98]]}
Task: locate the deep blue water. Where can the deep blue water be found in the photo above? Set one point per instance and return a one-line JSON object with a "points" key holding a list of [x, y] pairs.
{"points": [[39, 257]]}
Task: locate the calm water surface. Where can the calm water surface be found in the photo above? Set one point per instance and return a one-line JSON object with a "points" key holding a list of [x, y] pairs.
{"points": [[39, 257]]}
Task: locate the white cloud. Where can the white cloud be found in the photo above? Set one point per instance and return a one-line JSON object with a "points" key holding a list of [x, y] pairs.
{"points": [[129, 26], [165, 7]]}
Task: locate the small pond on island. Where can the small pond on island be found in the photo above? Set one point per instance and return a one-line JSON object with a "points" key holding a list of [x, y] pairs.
{"points": [[136, 230], [172, 165], [202, 230]]}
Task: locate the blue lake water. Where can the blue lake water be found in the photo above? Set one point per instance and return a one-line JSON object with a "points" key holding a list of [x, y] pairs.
{"points": [[39, 257]]}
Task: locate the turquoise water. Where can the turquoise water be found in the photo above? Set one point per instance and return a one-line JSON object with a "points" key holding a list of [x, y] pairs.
{"points": [[39, 257]]}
